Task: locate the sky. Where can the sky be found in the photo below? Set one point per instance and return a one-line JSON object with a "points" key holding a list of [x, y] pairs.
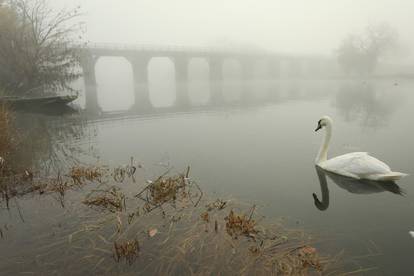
{"points": [[305, 26]]}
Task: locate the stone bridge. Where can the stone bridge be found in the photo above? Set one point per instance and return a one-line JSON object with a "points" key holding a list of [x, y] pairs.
{"points": [[139, 56]]}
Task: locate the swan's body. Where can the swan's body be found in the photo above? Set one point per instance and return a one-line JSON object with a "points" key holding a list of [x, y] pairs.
{"points": [[358, 165]]}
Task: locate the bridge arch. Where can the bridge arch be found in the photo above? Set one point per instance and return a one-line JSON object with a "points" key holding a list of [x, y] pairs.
{"points": [[199, 81], [115, 83], [259, 82], [162, 81]]}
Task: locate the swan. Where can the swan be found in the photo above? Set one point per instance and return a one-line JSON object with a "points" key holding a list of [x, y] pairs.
{"points": [[357, 165]]}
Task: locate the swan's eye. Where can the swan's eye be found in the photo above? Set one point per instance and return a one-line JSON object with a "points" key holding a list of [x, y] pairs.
{"points": [[319, 125]]}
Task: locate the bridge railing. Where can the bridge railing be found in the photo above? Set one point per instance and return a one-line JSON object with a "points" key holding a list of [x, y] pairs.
{"points": [[226, 50], [169, 48]]}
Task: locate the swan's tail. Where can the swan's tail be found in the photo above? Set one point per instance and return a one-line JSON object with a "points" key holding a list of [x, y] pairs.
{"points": [[392, 176]]}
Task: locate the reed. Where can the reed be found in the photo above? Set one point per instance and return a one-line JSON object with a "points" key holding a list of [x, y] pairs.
{"points": [[7, 132]]}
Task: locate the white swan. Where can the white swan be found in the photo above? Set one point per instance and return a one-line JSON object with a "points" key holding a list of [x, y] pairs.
{"points": [[358, 165]]}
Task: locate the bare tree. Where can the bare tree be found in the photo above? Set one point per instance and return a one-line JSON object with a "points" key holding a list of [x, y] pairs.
{"points": [[37, 49], [360, 54]]}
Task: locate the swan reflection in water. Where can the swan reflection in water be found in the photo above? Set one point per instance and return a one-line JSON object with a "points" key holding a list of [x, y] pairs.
{"points": [[352, 185]]}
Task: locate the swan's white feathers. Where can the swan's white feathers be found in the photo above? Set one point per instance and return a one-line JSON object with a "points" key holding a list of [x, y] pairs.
{"points": [[356, 164]]}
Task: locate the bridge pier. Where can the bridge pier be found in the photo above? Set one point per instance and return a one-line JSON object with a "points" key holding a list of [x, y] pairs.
{"points": [[274, 69], [142, 100], [295, 68], [88, 63], [315, 69], [216, 80], [181, 81], [247, 79], [308, 69]]}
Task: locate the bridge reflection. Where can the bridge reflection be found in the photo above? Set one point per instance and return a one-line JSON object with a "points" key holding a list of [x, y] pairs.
{"points": [[262, 93]]}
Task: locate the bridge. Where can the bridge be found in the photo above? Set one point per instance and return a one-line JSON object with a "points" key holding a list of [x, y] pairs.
{"points": [[279, 66]]}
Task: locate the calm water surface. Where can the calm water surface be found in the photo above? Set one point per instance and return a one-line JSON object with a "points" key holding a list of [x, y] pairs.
{"points": [[265, 155]]}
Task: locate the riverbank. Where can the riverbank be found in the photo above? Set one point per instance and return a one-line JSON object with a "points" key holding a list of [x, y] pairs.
{"points": [[7, 132]]}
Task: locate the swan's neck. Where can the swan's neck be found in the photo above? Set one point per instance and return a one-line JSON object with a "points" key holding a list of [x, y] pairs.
{"points": [[323, 151]]}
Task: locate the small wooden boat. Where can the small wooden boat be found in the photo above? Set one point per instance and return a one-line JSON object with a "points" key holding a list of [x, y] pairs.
{"points": [[36, 102]]}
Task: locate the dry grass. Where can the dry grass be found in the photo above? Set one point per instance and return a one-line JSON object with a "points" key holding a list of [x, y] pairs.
{"points": [[111, 199], [209, 240], [176, 190], [237, 225], [127, 250], [169, 229], [121, 173], [200, 243], [81, 174], [17, 184], [219, 204], [7, 132]]}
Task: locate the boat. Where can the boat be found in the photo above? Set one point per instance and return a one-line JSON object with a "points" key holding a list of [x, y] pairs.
{"points": [[36, 102]]}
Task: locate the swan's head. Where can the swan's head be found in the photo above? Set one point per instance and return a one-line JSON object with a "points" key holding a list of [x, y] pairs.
{"points": [[323, 122]]}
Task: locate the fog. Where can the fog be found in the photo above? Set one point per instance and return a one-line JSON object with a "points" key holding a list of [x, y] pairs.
{"points": [[286, 26], [293, 27], [145, 150]]}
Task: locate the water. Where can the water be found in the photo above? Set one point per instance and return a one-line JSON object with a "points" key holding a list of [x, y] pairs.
{"points": [[265, 155]]}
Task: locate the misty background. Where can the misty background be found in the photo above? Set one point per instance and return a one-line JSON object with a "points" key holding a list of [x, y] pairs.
{"points": [[247, 131], [295, 27], [287, 26]]}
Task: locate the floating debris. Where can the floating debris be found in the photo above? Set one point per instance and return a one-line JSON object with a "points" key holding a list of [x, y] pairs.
{"points": [[165, 189], [112, 199], [170, 189], [152, 232], [80, 174], [205, 217], [237, 225], [299, 260], [119, 174], [218, 204], [128, 250]]}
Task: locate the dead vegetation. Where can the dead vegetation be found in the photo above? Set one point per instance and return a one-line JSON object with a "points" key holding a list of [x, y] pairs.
{"points": [[168, 228], [127, 250], [17, 184], [111, 199], [121, 173], [7, 133], [200, 243], [218, 204], [237, 225], [81, 174], [176, 190], [175, 235]]}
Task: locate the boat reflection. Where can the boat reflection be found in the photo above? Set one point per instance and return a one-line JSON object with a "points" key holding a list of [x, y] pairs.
{"points": [[352, 185]]}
